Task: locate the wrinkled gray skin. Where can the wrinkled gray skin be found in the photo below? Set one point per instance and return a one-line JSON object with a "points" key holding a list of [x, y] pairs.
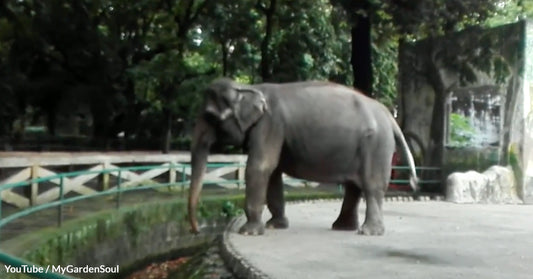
{"points": [[318, 131]]}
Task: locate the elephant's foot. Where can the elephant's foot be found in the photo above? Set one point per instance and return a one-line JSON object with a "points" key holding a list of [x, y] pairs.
{"points": [[252, 228], [372, 229], [278, 223], [345, 224]]}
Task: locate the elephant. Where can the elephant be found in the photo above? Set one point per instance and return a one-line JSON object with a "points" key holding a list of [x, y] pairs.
{"points": [[314, 130]]}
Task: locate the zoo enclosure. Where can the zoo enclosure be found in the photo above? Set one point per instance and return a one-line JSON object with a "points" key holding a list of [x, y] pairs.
{"points": [[133, 178]]}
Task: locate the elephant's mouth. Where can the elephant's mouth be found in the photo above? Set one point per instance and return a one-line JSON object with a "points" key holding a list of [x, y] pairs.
{"points": [[229, 134]]}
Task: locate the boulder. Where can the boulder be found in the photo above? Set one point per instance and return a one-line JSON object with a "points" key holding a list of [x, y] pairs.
{"points": [[496, 185]]}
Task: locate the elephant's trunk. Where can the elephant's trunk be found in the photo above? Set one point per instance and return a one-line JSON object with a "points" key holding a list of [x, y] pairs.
{"points": [[199, 152], [198, 162]]}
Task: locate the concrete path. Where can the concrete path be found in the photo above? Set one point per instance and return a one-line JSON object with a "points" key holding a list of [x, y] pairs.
{"points": [[422, 240]]}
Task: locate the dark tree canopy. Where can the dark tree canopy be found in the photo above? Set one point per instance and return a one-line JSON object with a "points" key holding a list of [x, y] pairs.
{"points": [[93, 70]]}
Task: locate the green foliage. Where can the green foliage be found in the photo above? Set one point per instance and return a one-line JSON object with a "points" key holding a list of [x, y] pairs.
{"points": [[229, 209], [461, 132], [384, 65], [306, 45], [509, 11], [422, 18], [135, 64]]}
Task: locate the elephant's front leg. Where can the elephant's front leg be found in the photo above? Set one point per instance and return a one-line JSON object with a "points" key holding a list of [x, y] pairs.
{"points": [[255, 196], [276, 202], [265, 143]]}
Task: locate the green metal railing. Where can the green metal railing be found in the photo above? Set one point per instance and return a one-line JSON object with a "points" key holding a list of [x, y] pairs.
{"points": [[118, 190], [418, 169]]}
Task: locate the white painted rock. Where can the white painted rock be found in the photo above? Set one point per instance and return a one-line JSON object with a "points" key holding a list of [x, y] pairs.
{"points": [[495, 185]]}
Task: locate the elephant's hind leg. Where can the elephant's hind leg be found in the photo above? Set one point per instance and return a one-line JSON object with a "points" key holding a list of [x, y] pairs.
{"points": [[375, 184], [373, 224], [276, 202], [348, 219]]}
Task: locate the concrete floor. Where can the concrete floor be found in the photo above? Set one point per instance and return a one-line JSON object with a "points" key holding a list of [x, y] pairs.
{"points": [[429, 239]]}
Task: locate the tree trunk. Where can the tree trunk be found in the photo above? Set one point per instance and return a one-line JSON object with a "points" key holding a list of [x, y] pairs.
{"points": [[265, 44], [101, 121], [436, 134], [167, 137], [361, 54], [401, 83], [51, 120], [224, 50], [437, 130]]}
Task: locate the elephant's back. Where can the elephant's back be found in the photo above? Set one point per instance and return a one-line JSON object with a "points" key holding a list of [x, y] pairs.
{"points": [[319, 103], [326, 123], [317, 94]]}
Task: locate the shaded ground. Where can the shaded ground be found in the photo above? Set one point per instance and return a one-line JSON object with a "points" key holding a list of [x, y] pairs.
{"points": [[422, 240]]}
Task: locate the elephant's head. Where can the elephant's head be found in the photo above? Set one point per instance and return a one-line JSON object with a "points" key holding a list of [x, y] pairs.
{"points": [[230, 110]]}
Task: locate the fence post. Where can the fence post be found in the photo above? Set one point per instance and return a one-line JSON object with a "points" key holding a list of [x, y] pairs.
{"points": [[240, 175], [60, 206], [171, 174], [105, 176], [119, 182], [34, 187], [183, 179], [0, 212]]}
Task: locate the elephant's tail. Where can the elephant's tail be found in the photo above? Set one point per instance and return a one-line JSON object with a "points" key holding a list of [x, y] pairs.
{"points": [[400, 139]]}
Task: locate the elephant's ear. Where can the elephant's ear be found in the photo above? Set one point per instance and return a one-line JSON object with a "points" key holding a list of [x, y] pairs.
{"points": [[250, 106]]}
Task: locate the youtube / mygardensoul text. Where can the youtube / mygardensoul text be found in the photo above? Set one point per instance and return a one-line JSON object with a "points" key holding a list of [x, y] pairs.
{"points": [[72, 269]]}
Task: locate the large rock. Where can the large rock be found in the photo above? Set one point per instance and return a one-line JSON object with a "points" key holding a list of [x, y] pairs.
{"points": [[496, 185]]}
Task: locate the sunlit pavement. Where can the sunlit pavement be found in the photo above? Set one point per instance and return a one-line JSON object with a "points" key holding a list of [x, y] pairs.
{"points": [[428, 239]]}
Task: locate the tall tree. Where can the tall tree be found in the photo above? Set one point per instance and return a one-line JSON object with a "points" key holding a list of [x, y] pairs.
{"points": [[411, 19], [307, 43], [159, 79], [231, 25], [359, 15], [144, 61], [269, 10]]}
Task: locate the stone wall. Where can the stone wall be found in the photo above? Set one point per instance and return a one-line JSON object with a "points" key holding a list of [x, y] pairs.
{"points": [[467, 98], [495, 185], [528, 116]]}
